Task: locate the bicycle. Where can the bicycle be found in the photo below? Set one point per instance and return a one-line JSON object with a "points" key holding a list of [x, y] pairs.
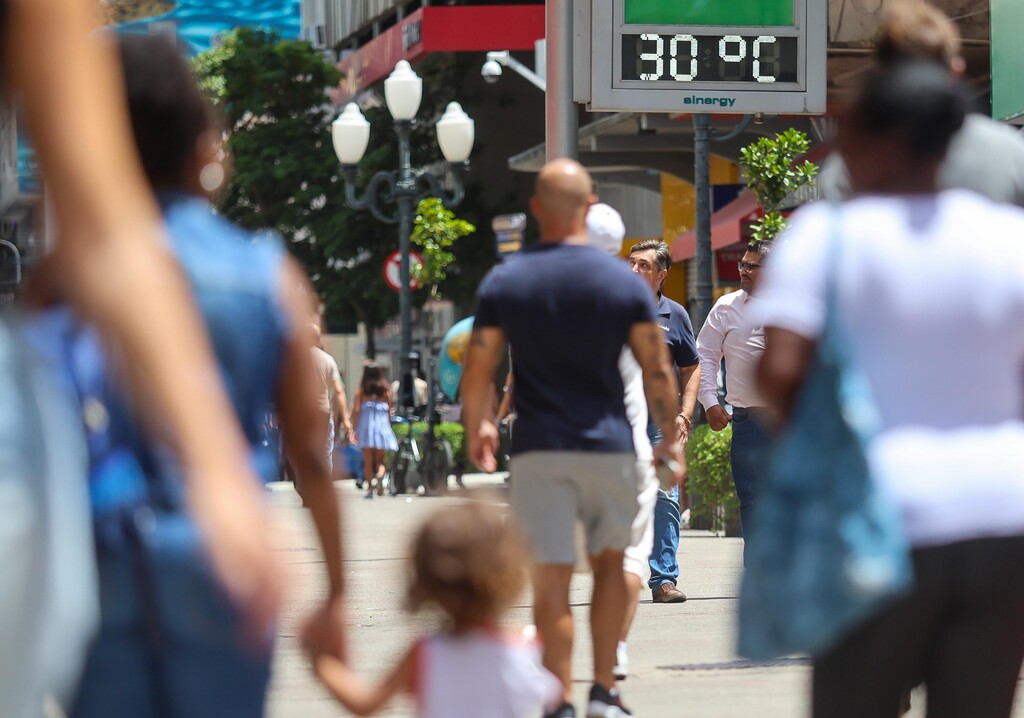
{"points": [[406, 455], [435, 464]]}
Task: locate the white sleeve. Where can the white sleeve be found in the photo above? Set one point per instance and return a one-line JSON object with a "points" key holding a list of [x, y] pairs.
{"points": [[709, 353], [792, 290]]}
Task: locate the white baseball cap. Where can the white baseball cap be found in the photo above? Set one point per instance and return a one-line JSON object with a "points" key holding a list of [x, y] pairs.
{"points": [[605, 229]]}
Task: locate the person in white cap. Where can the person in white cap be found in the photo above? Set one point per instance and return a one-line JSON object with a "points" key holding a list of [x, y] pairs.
{"points": [[605, 230]]}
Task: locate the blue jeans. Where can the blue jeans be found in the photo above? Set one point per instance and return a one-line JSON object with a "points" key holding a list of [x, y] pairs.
{"points": [[664, 566], [750, 456]]}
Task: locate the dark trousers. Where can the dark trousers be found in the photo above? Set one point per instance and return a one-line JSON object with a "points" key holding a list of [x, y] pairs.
{"points": [[961, 630], [750, 457]]}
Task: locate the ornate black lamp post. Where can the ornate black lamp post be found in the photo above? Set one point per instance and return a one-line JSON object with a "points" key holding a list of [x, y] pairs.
{"points": [[405, 186]]}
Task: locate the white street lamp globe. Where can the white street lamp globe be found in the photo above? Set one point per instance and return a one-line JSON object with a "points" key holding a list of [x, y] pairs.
{"points": [[455, 133], [350, 133], [403, 91]]}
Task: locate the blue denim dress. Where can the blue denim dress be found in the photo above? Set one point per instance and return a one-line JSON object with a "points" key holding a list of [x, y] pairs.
{"points": [[170, 643]]}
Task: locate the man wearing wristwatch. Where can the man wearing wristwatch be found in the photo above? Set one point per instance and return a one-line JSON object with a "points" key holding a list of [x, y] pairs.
{"points": [[651, 259], [733, 333]]}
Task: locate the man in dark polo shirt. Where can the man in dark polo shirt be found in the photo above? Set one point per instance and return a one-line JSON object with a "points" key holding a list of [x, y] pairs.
{"points": [[651, 259], [567, 310]]}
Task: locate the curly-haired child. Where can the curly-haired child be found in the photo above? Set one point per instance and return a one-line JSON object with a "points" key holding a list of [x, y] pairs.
{"points": [[469, 563]]}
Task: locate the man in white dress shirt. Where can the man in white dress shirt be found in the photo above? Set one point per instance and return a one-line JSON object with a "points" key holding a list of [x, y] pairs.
{"points": [[731, 333]]}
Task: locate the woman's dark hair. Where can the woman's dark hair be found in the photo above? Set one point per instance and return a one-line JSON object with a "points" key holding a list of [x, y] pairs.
{"points": [[374, 384], [168, 112], [915, 101]]}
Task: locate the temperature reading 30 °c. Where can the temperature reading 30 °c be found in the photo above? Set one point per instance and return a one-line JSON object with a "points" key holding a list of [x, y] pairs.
{"points": [[758, 59]]}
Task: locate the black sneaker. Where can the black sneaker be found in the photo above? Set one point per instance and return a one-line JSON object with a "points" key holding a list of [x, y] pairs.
{"points": [[606, 704], [566, 710]]}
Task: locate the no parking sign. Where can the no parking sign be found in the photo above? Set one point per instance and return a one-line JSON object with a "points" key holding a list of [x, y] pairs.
{"points": [[393, 270]]}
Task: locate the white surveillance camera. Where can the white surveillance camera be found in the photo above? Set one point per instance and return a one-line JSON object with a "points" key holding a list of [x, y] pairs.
{"points": [[491, 71]]}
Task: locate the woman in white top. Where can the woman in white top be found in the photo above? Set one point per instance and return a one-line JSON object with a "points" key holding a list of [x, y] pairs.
{"points": [[930, 289]]}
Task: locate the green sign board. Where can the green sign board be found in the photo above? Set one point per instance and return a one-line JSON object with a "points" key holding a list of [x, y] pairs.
{"points": [[772, 13], [1007, 59]]}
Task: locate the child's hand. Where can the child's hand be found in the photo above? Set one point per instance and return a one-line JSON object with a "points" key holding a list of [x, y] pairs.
{"points": [[324, 631]]}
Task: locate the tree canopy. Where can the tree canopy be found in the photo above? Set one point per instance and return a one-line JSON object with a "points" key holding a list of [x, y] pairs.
{"points": [[273, 94]]}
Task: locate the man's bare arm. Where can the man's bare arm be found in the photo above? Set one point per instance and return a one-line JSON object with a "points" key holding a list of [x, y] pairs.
{"points": [[341, 408], [486, 350], [648, 345], [782, 368], [110, 226], [689, 382]]}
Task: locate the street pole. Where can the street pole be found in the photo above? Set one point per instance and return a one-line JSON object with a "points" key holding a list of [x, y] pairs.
{"points": [[702, 187], [703, 136], [405, 193], [405, 186], [560, 110]]}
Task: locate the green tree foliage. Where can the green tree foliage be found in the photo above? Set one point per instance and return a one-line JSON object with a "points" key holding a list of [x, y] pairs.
{"points": [[710, 481], [273, 94], [772, 174], [435, 230]]}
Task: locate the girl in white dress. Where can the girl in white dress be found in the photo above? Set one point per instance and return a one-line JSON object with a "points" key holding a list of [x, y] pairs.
{"points": [[467, 561]]}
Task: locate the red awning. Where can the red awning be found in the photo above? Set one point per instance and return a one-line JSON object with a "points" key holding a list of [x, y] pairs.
{"points": [[727, 225], [477, 28]]}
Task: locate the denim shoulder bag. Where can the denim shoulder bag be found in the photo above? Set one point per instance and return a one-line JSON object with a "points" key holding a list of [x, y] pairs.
{"points": [[829, 549]]}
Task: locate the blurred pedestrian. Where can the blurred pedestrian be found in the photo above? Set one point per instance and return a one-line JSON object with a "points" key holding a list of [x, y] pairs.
{"points": [[109, 227], [732, 332], [371, 414], [330, 400], [921, 300], [985, 156], [419, 389], [469, 563], [171, 641], [651, 259], [567, 310], [606, 231]]}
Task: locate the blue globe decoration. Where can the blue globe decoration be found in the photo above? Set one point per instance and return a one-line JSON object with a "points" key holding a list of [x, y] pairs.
{"points": [[453, 353]]}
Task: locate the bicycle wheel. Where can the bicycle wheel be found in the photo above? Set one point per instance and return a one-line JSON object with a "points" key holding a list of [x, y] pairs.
{"points": [[437, 465], [398, 470]]}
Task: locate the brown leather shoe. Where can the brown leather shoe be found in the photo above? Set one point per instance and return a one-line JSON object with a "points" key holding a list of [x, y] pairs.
{"points": [[668, 593]]}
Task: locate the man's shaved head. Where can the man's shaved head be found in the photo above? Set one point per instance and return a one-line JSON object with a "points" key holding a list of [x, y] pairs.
{"points": [[562, 196]]}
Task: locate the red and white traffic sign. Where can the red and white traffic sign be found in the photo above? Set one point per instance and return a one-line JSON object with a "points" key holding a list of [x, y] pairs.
{"points": [[393, 270]]}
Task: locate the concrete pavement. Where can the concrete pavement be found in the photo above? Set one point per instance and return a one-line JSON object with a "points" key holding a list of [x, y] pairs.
{"points": [[681, 656]]}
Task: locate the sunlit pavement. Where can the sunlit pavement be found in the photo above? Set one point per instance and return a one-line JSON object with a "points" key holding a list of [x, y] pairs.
{"points": [[681, 656]]}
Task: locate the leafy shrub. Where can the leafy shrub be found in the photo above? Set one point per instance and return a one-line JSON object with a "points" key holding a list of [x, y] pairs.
{"points": [[451, 431], [710, 484]]}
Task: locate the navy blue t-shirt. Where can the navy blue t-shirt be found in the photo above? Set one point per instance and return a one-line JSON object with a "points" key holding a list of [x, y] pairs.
{"points": [[566, 311], [675, 322]]}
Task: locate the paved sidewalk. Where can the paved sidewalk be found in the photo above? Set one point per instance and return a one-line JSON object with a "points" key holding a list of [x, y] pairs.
{"points": [[681, 656]]}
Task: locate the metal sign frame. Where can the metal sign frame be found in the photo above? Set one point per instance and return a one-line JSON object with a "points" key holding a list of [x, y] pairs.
{"points": [[610, 93]]}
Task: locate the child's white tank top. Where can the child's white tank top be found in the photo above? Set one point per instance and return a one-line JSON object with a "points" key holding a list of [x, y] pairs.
{"points": [[482, 674]]}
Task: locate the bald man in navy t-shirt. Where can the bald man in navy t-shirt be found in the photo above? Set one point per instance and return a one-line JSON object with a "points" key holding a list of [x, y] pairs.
{"points": [[566, 310]]}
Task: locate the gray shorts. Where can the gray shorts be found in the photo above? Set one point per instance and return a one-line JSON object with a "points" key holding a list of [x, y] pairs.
{"points": [[551, 490]]}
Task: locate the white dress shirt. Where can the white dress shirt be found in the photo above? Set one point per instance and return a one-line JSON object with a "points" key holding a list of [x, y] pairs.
{"points": [[733, 332]]}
